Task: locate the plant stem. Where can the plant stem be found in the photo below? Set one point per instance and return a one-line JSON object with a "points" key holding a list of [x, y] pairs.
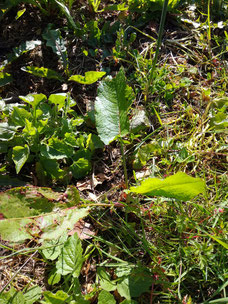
{"points": [[124, 161], [160, 32]]}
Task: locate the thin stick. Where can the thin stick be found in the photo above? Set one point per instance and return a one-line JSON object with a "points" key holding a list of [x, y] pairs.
{"points": [[16, 273]]}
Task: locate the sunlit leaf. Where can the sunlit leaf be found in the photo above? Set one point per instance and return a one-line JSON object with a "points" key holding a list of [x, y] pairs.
{"points": [[111, 108], [20, 156], [89, 78], [179, 186], [71, 259], [42, 72]]}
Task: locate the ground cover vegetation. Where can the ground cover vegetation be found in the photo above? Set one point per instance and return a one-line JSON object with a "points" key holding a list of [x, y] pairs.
{"points": [[113, 151]]}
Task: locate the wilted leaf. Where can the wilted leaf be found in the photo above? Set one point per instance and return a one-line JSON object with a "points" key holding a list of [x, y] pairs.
{"points": [[71, 259], [111, 107], [89, 78], [179, 186]]}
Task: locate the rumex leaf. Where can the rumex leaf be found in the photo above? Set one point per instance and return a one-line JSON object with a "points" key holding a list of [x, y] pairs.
{"points": [[111, 107], [179, 186]]}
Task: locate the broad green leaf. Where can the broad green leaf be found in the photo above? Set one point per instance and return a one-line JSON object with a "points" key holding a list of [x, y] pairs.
{"points": [[61, 146], [138, 282], [54, 277], [13, 297], [80, 168], [51, 153], [20, 156], [89, 78], [60, 297], [58, 99], [32, 294], [111, 108], [42, 72], [71, 259], [53, 247], [34, 99], [5, 78], [104, 280], [19, 115], [179, 186], [51, 166], [106, 298], [7, 131]]}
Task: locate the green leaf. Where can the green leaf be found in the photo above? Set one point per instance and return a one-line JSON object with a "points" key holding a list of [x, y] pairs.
{"points": [[13, 297], [89, 78], [80, 168], [138, 282], [225, 245], [71, 259], [104, 280], [106, 297], [66, 12], [20, 156], [179, 186], [5, 78], [51, 153], [60, 297], [19, 115], [7, 131], [58, 99], [51, 166], [53, 247], [34, 99], [20, 13], [111, 107], [32, 294], [54, 277], [42, 72]]}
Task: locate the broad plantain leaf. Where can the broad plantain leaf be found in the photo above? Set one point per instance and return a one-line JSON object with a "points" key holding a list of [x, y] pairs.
{"points": [[32, 294], [42, 72], [89, 78], [179, 186], [71, 259], [20, 156], [80, 168], [59, 297], [111, 107]]}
